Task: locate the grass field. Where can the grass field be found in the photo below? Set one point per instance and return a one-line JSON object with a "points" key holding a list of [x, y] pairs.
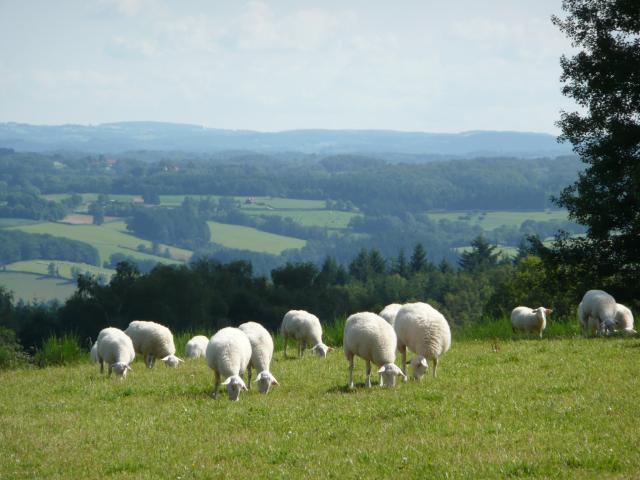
{"points": [[41, 267], [15, 222], [28, 286], [331, 219], [107, 238], [560, 408], [494, 219], [247, 238]]}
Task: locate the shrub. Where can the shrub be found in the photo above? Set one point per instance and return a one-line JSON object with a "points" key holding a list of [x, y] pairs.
{"points": [[63, 350], [11, 353]]}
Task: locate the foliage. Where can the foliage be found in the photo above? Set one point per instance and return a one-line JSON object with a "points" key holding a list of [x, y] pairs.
{"points": [[16, 246], [64, 350], [603, 78], [11, 353]]}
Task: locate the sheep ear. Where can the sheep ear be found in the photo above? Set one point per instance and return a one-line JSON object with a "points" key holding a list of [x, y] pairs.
{"points": [[274, 381], [180, 360], [164, 359], [330, 349], [424, 363], [227, 381], [129, 368], [549, 310], [381, 370]]}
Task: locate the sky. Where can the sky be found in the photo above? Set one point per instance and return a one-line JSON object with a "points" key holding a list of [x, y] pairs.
{"points": [[411, 65]]}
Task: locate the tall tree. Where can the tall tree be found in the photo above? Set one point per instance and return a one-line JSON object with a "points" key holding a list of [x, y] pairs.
{"points": [[603, 77], [481, 257], [418, 261]]}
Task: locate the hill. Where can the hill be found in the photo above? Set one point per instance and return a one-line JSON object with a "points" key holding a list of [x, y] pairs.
{"points": [[127, 136]]}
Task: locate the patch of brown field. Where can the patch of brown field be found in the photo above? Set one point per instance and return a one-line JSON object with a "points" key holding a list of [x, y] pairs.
{"points": [[78, 219]]}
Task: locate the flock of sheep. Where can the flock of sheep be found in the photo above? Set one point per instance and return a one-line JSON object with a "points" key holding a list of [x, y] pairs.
{"points": [[374, 337]]}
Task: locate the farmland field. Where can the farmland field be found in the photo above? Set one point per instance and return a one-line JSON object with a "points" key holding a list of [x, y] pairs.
{"points": [[107, 238], [28, 286], [552, 408], [493, 219], [332, 219], [15, 222], [64, 268], [247, 238]]}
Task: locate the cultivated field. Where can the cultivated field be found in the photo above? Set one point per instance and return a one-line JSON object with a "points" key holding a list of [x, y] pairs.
{"points": [[560, 408], [41, 267], [29, 286], [247, 238]]}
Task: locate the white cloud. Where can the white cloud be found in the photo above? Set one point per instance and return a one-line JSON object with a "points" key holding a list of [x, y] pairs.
{"points": [[128, 8]]}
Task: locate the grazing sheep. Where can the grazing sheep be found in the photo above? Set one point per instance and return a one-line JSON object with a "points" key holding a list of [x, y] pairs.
{"points": [[525, 319], [623, 321], [596, 312], [228, 355], [153, 340], [116, 348], [370, 337], [93, 353], [425, 331], [306, 329], [389, 312], [261, 354], [196, 347]]}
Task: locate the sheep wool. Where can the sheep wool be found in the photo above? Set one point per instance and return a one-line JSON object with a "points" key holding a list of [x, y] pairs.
{"points": [[525, 319], [305, 328], [424, 331], [372, 338], [196, 347], [390, 311], [624, 319], [116, 349], [153, 340], [228, 355]]}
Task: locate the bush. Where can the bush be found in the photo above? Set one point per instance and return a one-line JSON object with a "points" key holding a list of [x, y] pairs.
{"points": [[11, 353], [63, 350]]}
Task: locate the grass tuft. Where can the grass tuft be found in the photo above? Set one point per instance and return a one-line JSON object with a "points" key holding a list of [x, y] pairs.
{"points": [[63, 350]]}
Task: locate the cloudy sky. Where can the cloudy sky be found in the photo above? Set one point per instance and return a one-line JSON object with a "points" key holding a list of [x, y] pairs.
{"points": [[418, 65]]}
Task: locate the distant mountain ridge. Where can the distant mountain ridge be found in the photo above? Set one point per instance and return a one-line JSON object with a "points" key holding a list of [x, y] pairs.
{"points": [[128, 136]]}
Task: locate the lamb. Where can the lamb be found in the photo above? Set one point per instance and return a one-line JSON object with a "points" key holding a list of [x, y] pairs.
{"points": [[425, 331], [261, 354], [389, 312], [527, 319], [196, 347], [116, 348], [623, 321], [228, 355], [596, 312], [372, 338], [153, 341], [306, 329]]}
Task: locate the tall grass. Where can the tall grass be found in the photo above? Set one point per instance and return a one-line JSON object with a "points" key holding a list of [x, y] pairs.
{"points": [[11, 353], [65, 350], [500, 328]]}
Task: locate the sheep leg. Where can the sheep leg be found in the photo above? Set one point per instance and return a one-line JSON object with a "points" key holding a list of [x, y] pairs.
{"points": [[147, 360], [249, 377], [101, 366], [216, 384], [403, 363], [301, 347], [435, 367], [350, 359], [367, 378]]}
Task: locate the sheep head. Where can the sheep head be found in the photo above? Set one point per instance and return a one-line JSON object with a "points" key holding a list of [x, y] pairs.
{"points": [[171, 361], [234, 385], [388, 374], [419, 366], [264, 380], [321, 350]]}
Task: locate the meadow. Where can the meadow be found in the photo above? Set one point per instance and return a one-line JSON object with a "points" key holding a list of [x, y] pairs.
{"points": [[31, 286], [248, 238], [523, 408], [41, 267], [489, 220]]}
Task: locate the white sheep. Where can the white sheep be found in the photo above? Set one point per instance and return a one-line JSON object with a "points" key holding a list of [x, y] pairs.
{"points": [[153, 340], [370, 337], [425, 331], [261, 355], [196, 347], [389, 312], [624, 319], [306, 329], [596, 312], [525, 319], [116, 348], [228, 355], [93, 354]]}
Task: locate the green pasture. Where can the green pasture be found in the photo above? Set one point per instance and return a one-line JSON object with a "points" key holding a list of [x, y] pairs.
{"points": [[41, 267], [247, 238], [108, 238], [30, 286], [331, 219], [551, 408], [489, 220], [15, 222]]}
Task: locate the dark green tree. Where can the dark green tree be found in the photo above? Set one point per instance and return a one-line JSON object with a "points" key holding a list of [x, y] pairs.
{"points": [[481, 257], [418, 260], [401, 266], [603, 78]]}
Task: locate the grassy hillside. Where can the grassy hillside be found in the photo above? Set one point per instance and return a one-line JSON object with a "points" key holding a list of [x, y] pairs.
{"points": [[247, 238], [29, 286], [41, 267], [535, 409]]}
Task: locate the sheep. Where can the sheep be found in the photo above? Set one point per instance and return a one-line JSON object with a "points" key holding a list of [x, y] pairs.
{"points": [[196, 347], [153, 341], [623, 321], [306, 329], [261, 354], [116, 348], [372, 338], [93, 350], [596, 312], [389, 312], [527, 319], [228, 355], [425, 331]]}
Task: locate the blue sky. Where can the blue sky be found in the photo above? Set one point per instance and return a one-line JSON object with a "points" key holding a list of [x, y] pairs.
{"points": [[417, 65]]}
